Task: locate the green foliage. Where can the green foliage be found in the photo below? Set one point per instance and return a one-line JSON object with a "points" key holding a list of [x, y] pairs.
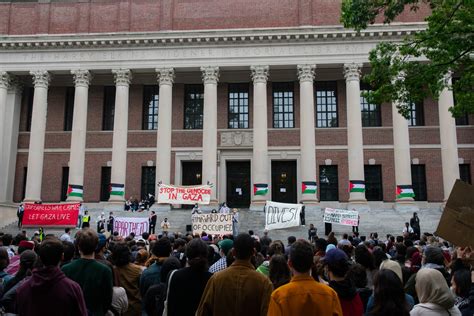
{"points": [[400, 72]]}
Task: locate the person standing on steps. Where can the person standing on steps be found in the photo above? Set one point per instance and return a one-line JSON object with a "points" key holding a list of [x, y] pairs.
{"points": [[415, 224], [86, 220], [152, 222], [165, 226], [110, 223]]}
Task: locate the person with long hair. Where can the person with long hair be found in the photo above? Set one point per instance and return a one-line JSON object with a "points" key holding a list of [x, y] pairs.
{"points": [[389, 299], [365, 258], [279, 272], [461, 286]]}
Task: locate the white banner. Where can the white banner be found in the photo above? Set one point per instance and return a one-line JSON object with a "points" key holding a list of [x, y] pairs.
{"points": [[282, 215], [126, 225], [342, 217], [213, 223], [184, 195]]}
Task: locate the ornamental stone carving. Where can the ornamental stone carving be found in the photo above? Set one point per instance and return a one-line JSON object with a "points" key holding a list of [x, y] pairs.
{"points": [[5, 80], [237, 139], [16, 86], [122, 77], [210, 74], [352, 71], [82, 77], [165, 76], [306, 72], [259, 74], [41, 78]]}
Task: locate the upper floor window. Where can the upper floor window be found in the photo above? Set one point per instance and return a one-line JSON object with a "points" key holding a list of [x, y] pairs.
{"points": [[416, 114], [371, 115], [150, 107], [283, 109], [69, 109], [193, 106], [109, 108], [238, 105], [326, 104]]}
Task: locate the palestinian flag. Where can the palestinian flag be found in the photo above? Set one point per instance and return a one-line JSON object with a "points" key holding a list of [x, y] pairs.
{"points": [[405, 191], [117, 189], [357, 186], [75, 190], [309, 187], [260, 189]]}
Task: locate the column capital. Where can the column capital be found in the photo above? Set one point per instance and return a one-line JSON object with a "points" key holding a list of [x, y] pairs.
{"points": [[210, 74], [16, 86], [5, 80], [41, 78], [352, 71], [122, 76], [259, 73], [82, 77], [306, 72], [165, 75]]}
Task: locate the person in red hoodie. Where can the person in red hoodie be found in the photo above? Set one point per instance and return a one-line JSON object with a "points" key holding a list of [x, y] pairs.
{"points": [[49, 291], [336, 265]]}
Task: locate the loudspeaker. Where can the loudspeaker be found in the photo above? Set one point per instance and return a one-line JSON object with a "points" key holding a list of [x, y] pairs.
{"points": [[189, 228]]}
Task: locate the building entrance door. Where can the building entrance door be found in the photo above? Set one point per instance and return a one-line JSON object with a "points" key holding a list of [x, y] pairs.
{"points": [[191, 175], [238, 184], [284, 181]]}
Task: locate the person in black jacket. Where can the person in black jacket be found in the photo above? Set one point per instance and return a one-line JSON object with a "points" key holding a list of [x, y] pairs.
{"points": [[152, 222]]}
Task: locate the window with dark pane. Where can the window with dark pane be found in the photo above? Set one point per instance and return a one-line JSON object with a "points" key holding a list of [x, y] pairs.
{"points": [[326, 104], [109, 108], [418, 182], [416, 114], [373, 182], [64, 183], [193, 106], [69, 108], [371, 114], [238, 105], [105, 183], [148, 181], [23, 189], [150, 107], [465, 172], [29, 94], [464, 118], [328, 183], [283, 109]]}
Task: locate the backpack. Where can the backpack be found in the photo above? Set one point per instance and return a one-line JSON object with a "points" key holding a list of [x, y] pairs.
{"points": [[155, 299]]}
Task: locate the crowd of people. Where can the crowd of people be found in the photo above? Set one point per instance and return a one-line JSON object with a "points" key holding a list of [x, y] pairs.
{"points": [[94, 273]]}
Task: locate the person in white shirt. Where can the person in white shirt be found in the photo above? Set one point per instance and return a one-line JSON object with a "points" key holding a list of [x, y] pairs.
{"points": [[407, 230], [67, 235], [196, 209], [224, 208], [165, 226], [235, 222]]}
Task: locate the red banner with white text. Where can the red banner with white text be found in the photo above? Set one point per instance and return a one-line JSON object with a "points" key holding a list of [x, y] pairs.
{"points": [[51, 215]]}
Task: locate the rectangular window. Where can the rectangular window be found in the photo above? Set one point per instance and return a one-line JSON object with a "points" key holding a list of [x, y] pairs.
{"points": [[465, 172], [64, 183], [416, 114], [193, 106], [105, 183], [371, 115], [30, 92], [69, 108], [326, 104], [328, 183], [148, 181], [283, 111], [462, 120], [418, 179], [109, 109], [238, 105], [373, 182], [150, 107]]}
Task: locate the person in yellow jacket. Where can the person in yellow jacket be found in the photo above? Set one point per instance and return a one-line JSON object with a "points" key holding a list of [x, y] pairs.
{"points": [[86, 220]]}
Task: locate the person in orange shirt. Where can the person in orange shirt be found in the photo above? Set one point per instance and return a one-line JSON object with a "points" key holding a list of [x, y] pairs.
{"points": [[303, 295]]}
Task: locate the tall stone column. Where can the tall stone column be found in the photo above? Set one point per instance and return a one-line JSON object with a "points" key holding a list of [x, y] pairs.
{"points": [[165, 78], [309, 194], [77, 157], [34, 177], [355, 151], [123, 78], [4, 86], [449, 143], [260, 176], [210, 77]]}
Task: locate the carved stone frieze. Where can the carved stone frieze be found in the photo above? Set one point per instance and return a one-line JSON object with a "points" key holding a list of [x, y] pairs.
{"points": [[237, 139]]}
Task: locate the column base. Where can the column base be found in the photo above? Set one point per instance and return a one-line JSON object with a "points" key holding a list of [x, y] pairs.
{"points": [[257, 205]]}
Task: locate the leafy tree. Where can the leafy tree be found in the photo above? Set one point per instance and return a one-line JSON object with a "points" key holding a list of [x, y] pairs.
{"points": [[400, 71]]}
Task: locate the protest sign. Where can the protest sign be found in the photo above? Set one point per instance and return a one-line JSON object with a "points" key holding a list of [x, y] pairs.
{"points": [[282, 215], [213, 223], [126, 225], [50, 215], [342, 217], [184, 194], [457, 221]]}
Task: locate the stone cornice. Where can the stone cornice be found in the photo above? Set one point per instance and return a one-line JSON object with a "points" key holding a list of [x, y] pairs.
{"points": [[392, 32]]}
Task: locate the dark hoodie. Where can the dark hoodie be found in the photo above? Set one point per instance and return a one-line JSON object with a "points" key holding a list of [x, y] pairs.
{"points": [[50, 292], [350, 300]]}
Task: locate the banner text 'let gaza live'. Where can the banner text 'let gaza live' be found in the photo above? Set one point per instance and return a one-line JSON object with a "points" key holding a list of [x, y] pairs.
{"points": [[50, 215]]}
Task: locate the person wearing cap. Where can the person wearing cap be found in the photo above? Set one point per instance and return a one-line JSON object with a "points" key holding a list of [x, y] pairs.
{"points": [[336, 264], [15, 260], [67, 235], [224, 247], [303, 296]]}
